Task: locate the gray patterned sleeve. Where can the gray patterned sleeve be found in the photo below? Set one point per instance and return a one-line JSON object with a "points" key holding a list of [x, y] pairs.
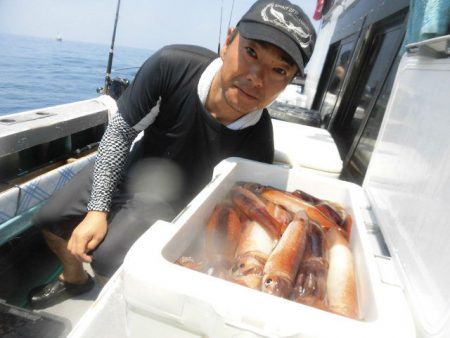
{"points": [[111, 158]]}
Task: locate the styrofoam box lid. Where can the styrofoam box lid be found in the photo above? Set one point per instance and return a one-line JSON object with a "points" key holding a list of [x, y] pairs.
{"points": [[208, 306], [306, 146], [408, 185]]}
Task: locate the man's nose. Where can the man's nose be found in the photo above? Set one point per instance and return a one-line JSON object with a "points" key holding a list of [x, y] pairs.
{"points": [[256, 75]]}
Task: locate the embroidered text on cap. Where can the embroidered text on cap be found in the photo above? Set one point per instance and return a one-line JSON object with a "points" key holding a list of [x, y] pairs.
{"points": [[286, 20]]}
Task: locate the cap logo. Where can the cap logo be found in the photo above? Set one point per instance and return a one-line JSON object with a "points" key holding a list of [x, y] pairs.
{"points": [[285, 18]]}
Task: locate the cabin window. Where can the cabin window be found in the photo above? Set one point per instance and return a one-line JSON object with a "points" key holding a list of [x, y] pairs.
{"points": [[357, 123], [359, 159], [333, 75]]}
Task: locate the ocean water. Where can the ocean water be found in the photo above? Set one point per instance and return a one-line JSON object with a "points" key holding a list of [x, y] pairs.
{"points": [[37, 73]]}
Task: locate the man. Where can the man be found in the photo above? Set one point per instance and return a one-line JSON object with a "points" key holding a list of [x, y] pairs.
{"points": [[195, 109]]}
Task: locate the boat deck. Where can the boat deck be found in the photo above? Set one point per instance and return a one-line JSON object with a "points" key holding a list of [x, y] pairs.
{"points": [[73, 309]]}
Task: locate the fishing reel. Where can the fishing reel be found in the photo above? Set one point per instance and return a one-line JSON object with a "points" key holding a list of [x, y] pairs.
{"points": [[114, 87]]}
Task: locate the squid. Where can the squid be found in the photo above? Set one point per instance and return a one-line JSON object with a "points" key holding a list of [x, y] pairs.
{"points": [[311, 282], [339, 214], [306, 197], [332, 210], [291, 245], [254, 208], [283, 216], [254, 248], [283, 263], [341, 281], [292, 203], [222, 238], [194, 257], [192, 263]]}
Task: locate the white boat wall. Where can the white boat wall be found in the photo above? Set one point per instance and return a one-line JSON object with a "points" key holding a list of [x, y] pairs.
{"points": [[315, 65]]}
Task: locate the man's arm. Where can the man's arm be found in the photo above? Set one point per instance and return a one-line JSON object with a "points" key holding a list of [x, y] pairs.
{"points": [[110, 163], [138, 107], [108, 170]]}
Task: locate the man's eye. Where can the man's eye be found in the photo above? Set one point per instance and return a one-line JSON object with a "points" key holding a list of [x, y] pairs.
{"points": [[280, 71], [250, 51]]}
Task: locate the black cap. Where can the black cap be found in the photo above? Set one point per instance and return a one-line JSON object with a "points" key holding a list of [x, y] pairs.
{"points": [[282, 24]]}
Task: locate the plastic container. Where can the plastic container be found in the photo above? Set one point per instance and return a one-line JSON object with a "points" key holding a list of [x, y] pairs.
{"points": [[176, 301]]}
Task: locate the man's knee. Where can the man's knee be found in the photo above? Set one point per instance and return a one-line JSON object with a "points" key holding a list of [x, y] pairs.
{"points": [[106, 259], [44, 217], [68, 203]]}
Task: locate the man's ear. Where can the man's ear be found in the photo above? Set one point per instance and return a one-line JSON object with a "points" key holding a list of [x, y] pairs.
{"points": [[228, 41]]}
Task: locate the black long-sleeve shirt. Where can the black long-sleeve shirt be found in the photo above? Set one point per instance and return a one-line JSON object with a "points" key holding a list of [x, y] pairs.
{"points": [[166, 101]]}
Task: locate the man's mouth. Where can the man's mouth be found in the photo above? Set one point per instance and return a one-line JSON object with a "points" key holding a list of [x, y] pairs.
{"points": [[250, 96]]}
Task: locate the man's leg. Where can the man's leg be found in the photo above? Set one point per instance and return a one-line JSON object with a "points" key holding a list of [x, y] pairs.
{"points": [[73, 271], [124, 228], [57, 219], [74, 280]]}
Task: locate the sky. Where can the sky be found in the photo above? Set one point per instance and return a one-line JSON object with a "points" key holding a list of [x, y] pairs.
{"points": [[147, 24]]}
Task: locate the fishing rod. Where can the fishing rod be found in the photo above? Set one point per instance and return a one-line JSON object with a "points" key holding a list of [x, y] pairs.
{"points": [[114, 87], [231, 14], [111, 52], [229, 22], [220, 27]]}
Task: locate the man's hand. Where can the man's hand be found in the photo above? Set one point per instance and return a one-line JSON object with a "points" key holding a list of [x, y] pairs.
{"points": [[87, 235]]}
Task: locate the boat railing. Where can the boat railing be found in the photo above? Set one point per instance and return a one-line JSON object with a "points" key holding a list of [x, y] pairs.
{"points": [[31, 170]]}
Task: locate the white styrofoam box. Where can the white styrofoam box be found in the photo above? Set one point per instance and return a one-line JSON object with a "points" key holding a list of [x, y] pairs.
{"points": [[181, 302], [408, 184], [310, 148], [106, 317]]}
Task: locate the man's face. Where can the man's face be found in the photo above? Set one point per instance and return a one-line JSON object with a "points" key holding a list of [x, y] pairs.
{"points": [[253, 73]]}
